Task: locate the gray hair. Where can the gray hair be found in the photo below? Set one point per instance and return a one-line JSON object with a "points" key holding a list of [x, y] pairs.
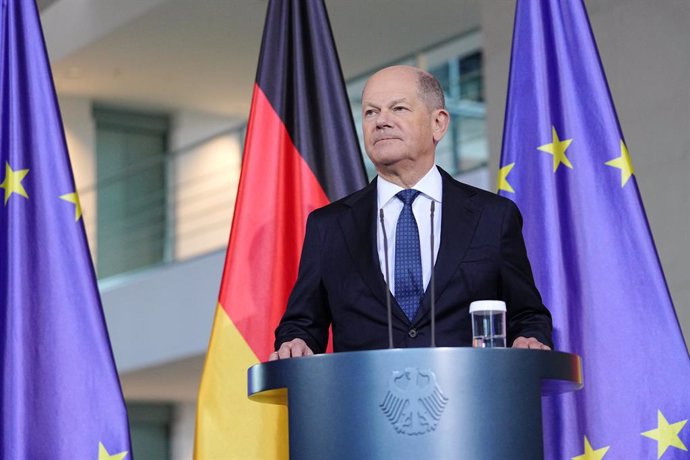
{"points": [[429, 89]]}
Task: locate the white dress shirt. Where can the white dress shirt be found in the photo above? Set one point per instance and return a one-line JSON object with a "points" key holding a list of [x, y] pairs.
{"points": [[431, 188]]}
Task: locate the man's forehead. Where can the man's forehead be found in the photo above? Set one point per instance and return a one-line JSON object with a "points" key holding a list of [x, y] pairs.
{"points": [[387, 92], [380, 99]]}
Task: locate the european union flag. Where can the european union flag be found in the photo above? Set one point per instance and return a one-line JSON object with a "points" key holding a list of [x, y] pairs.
{"points": [[60, 394], [566, 164]]}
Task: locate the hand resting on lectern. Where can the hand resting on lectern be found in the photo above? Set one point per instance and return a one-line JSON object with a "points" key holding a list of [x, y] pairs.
{"points": [[293, 349]]}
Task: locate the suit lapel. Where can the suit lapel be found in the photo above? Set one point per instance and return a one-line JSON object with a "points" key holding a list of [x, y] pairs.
{"points": [[459, 220], [359, 231]]}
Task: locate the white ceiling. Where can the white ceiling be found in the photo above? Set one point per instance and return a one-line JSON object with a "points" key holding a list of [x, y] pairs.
{"points": [[202, 55]]}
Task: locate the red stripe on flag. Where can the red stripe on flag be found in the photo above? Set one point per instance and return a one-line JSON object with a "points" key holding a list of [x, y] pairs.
{"points": [[277, 191]]}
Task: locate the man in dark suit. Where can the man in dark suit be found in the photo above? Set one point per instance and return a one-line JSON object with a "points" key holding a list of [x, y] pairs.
{"points": [[479, 252]]}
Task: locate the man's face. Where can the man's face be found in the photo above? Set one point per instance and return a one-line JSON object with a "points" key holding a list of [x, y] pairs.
{"points": [[400, 131]]}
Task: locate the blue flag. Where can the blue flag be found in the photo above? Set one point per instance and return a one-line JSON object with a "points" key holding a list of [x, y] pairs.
{"points": [[566, 165], [61, 396]]}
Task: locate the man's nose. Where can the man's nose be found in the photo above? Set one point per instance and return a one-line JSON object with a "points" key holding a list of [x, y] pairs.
{"points": [[383, 120]]}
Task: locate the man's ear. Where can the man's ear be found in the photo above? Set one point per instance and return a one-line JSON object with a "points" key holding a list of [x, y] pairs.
{"points": [[440, 121]]}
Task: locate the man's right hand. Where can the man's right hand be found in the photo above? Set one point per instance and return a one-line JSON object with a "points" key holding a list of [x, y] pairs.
{"points": [[292, 349]]}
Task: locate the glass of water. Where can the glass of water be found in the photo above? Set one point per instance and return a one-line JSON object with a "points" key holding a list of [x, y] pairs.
{"points": [[488, 323]]}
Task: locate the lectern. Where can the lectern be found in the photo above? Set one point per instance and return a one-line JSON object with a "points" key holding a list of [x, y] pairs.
{"points": [[419, 403]]}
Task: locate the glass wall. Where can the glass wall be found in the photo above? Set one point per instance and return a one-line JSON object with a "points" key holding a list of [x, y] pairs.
{"points": [[465, 146]]}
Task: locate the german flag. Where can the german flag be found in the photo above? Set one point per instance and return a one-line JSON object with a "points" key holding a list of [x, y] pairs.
{"points": [[301, 152]]}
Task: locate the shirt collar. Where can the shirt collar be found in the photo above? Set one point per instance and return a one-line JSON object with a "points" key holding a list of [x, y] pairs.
{"points": [[430, 185]]}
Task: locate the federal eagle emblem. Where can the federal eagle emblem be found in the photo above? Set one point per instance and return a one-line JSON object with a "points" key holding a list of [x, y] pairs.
{"points": [[414, 402]]}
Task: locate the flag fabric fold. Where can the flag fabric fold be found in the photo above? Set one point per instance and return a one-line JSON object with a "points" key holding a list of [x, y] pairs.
{"points": [[301, 152], [566, 164], [61, 396]]}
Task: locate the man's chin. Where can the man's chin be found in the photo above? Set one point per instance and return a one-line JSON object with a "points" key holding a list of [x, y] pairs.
{"points": [[389, 149], [387, 143], [386, 158]]}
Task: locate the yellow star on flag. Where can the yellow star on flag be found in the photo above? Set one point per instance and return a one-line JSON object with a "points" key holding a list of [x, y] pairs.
{"points": [[624, 163], [666, 434], [591, 454], [73, 198], [503, 178], [104, 455], [557, 148], [13, 182]]}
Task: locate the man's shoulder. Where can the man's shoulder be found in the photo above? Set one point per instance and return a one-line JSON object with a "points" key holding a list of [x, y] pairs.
{"points": [[360, 197], [477, 196]]}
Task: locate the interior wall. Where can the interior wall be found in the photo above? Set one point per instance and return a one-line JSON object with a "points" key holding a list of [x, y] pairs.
{"points": [[206, 178], [164, 314]]}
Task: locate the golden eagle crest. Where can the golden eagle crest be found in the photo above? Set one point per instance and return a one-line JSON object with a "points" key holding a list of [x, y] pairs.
{"points": [[414, 402]]}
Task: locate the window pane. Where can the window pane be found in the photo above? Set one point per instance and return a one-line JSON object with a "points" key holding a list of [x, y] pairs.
{"points": [[149, 425], [131, 193], [471, 78]]}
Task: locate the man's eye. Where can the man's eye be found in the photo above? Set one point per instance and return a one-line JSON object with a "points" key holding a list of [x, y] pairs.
{"points": [[368, 113], [399, 108]]}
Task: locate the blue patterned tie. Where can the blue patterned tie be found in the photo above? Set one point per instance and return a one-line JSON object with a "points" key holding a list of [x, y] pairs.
{"points": [[408, 259]]}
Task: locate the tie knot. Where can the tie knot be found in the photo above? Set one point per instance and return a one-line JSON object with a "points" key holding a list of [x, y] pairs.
{"points": [[408, 195]]}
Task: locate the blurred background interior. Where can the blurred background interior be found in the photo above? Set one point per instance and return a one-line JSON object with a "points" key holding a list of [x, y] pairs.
{"points": [[155, 95]]}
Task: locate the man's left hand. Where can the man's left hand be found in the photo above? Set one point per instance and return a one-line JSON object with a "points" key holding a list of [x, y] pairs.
{"points": [[529, 342]]}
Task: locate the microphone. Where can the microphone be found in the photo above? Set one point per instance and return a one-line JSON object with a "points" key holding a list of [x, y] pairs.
{"points": [[388, 289], [431, 281]]}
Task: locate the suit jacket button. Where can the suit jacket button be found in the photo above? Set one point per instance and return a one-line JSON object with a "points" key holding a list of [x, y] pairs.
{"points": [[412, 333]]}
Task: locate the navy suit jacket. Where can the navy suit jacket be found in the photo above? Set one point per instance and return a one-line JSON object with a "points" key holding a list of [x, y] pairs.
{"points": [[481, 257]]}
